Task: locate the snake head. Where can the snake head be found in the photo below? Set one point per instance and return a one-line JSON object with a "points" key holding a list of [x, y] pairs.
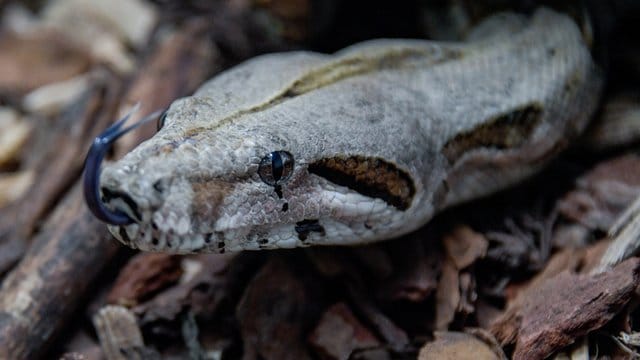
{"points": [[212, 183], [301, 149]]}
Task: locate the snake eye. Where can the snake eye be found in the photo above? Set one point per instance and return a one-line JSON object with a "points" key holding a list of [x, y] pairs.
{"points": [[276, 167], [161, 120]]}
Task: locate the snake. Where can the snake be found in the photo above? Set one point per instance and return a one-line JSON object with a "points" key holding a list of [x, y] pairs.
{"points": [[301, 149]]}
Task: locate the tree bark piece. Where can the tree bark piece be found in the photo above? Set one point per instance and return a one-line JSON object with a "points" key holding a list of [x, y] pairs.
{"points": [[119, 334], [41, 293], [564, 308]]}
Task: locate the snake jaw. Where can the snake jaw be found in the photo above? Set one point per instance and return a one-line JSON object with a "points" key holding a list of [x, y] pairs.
{"points": [[91, 181]]}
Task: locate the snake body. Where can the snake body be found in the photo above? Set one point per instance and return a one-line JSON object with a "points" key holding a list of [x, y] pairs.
{"points": [[300, 148]]}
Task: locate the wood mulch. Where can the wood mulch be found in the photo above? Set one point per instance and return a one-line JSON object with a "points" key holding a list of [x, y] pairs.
{"points": [[509, 276]]}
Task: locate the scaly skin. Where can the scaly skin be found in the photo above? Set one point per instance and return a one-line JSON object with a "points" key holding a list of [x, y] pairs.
{"points": [[384, 134]]}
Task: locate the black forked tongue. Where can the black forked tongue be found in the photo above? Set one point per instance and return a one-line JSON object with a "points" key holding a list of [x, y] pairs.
{"points": [[102, 144]]}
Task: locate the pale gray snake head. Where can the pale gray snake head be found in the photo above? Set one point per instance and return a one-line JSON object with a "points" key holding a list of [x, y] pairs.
{"points": [[244, 185], [300, 149]]}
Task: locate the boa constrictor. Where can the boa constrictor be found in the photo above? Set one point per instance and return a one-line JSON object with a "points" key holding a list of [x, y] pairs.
{"points": [[300, 148]]}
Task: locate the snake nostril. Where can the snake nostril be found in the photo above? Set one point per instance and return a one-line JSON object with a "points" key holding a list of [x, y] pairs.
{"points": [[109, 195], [159, 186]]}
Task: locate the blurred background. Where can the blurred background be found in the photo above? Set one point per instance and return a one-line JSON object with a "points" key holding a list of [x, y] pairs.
{"points": [[69, 68]]}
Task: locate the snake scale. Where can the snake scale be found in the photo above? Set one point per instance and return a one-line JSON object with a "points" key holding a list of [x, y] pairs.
{"points": [[297, 149]]}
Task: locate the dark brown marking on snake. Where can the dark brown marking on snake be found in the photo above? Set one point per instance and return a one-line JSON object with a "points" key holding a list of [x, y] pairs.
{"points": [[572, 82], [358, 66], [372, 177], [207, 237], [262, 243], [304, 227], [347, 68], [207, 195], [278, 190], [506, 131], [166, 149], [285, 207]]}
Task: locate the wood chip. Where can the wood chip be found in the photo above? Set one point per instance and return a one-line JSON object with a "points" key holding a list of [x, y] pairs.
{"points": [[392, 334], [50, 99], [202, 293], [14, 185], [119, 334], [603, 193], [338, 334], [415, 266], [464, 246], [109, 28], [447, 296], [564, 308], [28, 61], [129, 20], [144, 275], [14, 133], [619, 122], [275, 311], [456, 292], [457, 346]]}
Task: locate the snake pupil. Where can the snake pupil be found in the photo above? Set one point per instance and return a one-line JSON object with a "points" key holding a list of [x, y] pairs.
{"points": [[276, 167]]}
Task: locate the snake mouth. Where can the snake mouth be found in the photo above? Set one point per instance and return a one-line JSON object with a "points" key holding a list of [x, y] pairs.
{"points": [[146, 237], [122, 202]]}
